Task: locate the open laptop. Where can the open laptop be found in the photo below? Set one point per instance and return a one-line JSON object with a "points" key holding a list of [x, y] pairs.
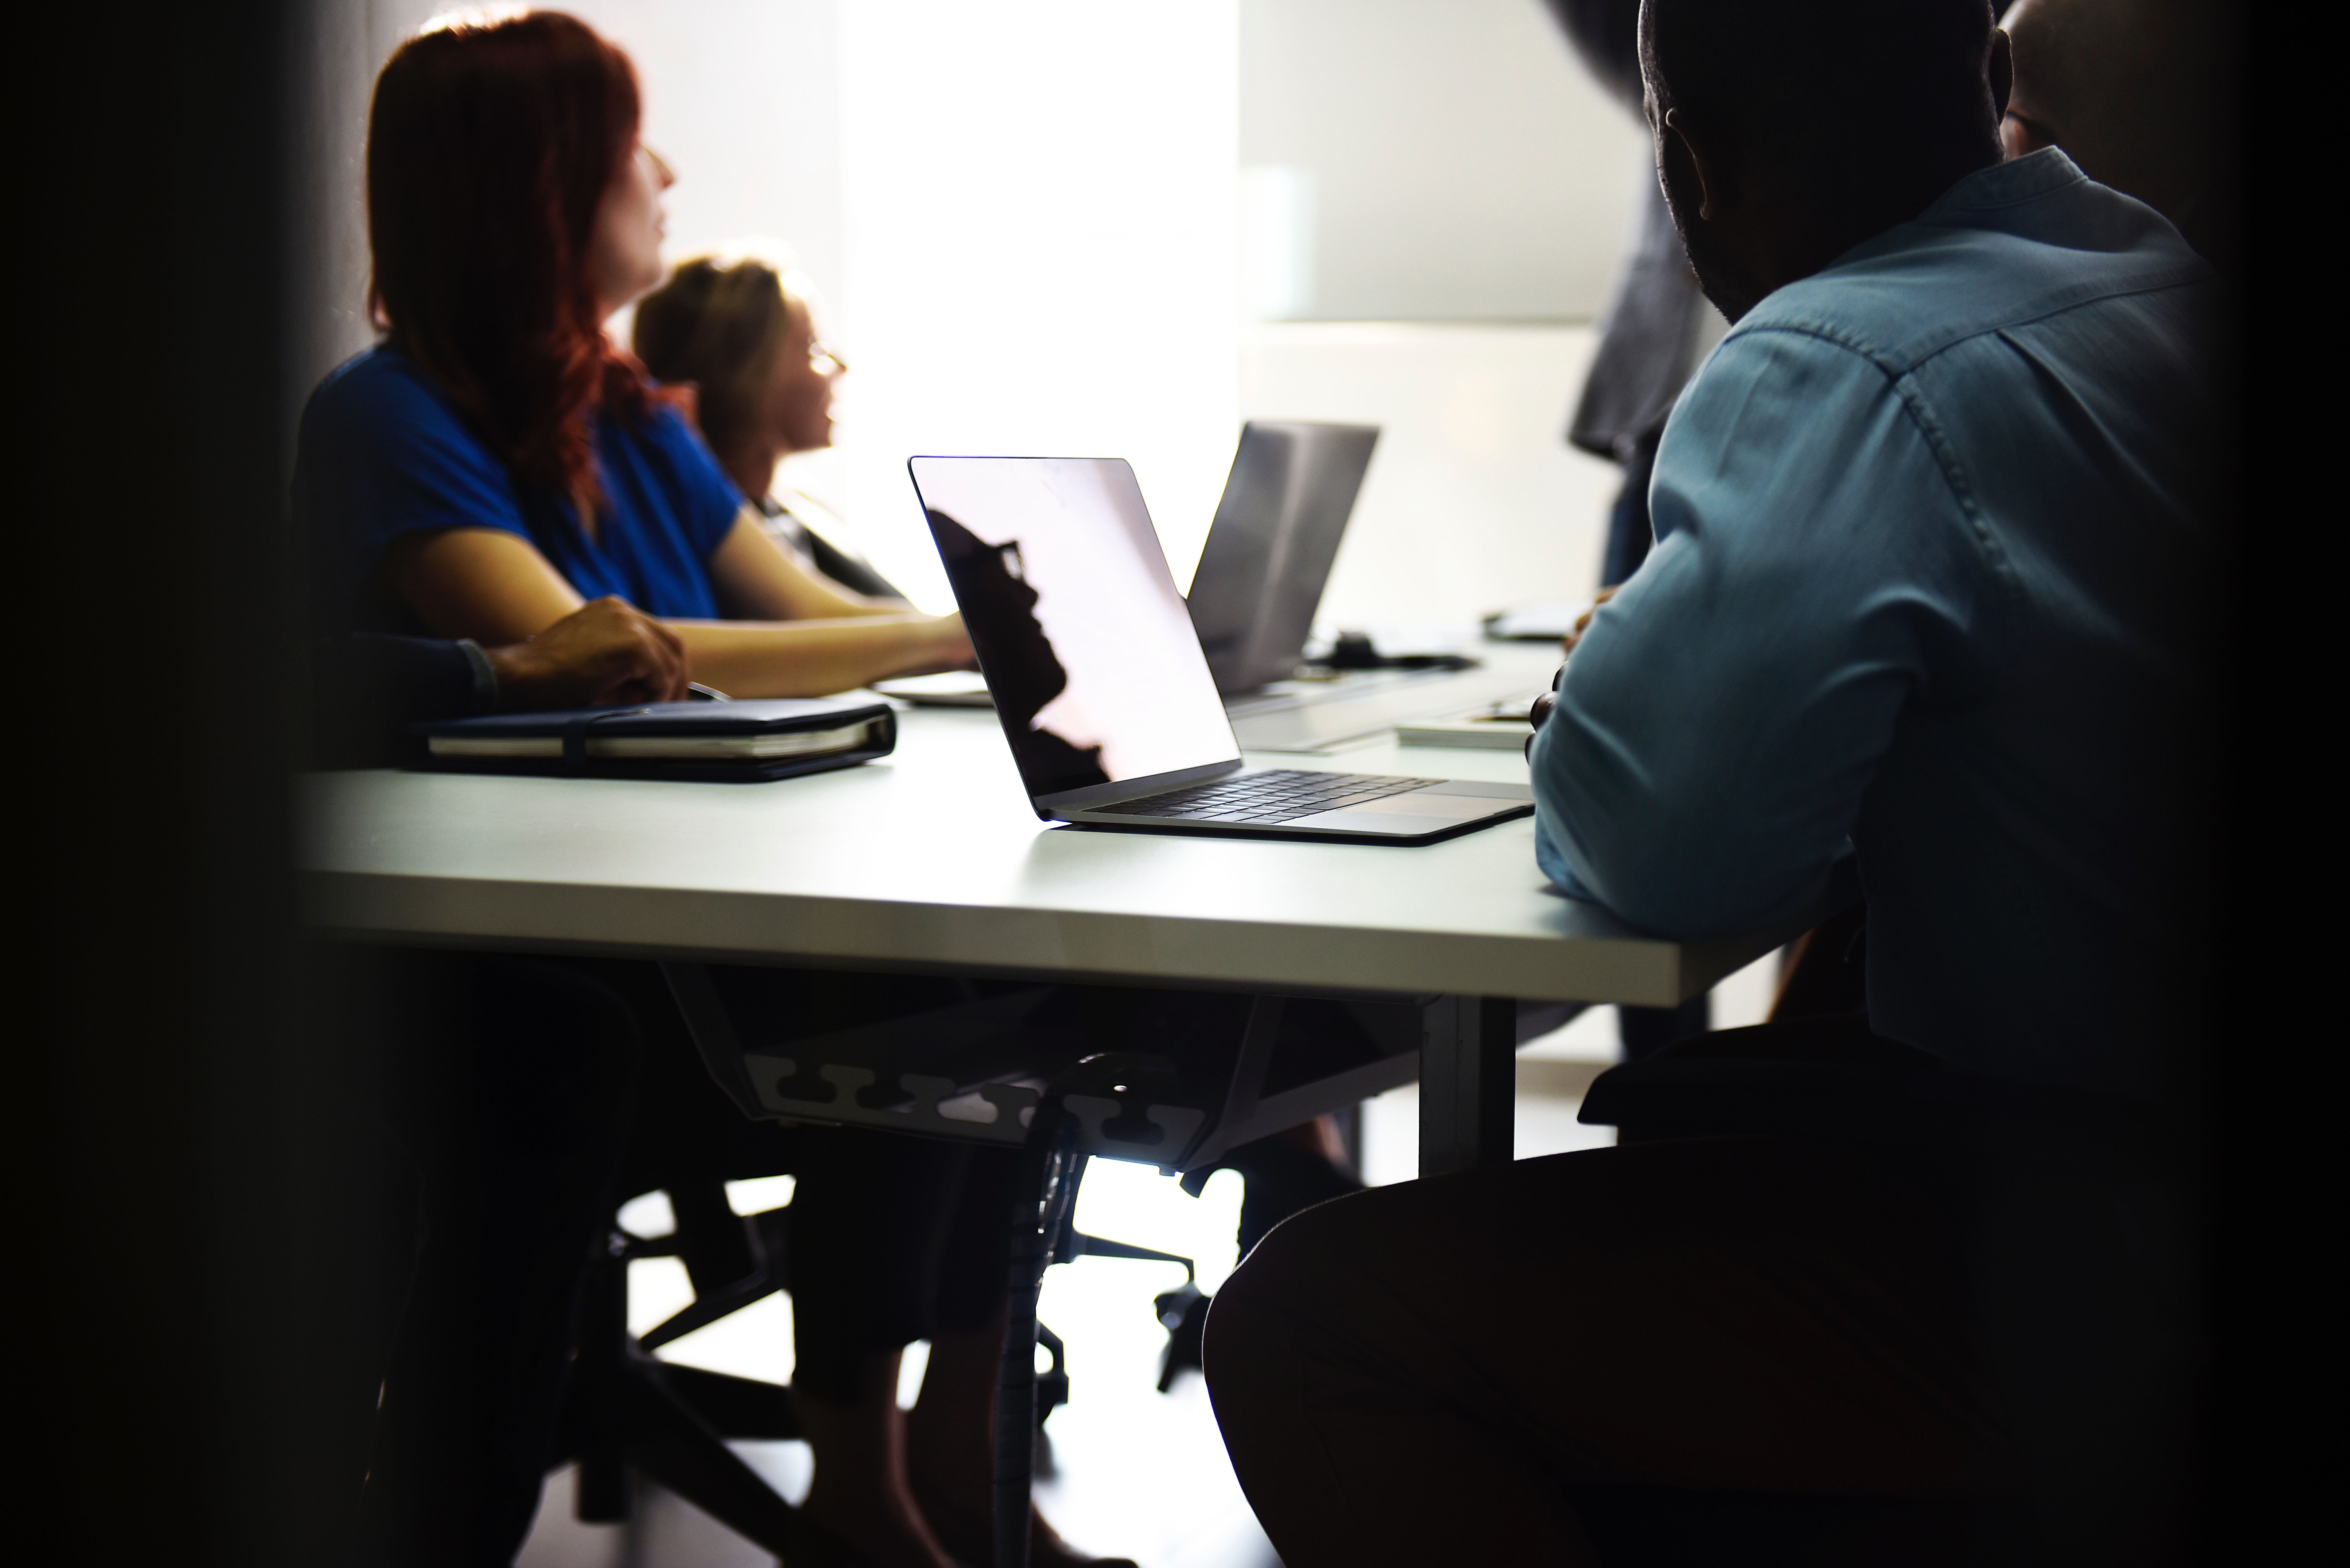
{"points": [[1268, 554], [1261, 575], [1100, 680]]}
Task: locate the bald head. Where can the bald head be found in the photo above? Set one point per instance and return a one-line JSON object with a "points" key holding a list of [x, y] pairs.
{"points": [[1788, 132], [2131, 89], [1840, 82]]}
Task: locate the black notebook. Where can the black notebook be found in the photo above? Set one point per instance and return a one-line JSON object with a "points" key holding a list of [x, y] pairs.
{"points": [[739, 743]]}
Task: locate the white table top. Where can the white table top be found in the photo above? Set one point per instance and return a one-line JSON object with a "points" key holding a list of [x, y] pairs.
{"points": [[931, 857]]}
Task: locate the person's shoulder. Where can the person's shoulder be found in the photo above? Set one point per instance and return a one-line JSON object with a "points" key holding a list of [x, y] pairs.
{"points": [[669, 429], [1789, 367], [2008, 244], [668, 421], [379, 419], [377, 389]]}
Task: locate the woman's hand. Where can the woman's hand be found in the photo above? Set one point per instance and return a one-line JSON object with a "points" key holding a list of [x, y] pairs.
{"points": [[758, 579], [949, 646], [497, 589]]}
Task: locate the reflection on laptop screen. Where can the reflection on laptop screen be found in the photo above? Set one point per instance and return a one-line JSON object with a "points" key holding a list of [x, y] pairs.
{"points": [[1087, 646]]}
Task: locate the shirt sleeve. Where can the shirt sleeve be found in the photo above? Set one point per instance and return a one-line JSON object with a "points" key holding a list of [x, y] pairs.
{"points": [[382, 454], [1815, 574], [370, 689]]}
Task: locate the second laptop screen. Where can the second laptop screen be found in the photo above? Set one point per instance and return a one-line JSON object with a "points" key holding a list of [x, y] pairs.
{"points": [[1097, 671]]}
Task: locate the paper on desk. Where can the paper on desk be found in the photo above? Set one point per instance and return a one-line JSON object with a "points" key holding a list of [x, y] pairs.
{"points": [[954, 689], [1544, 621]]}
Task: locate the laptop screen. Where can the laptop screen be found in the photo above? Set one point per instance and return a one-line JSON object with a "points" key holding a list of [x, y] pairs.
{"points": [[1087, 648], [1276, 532]]}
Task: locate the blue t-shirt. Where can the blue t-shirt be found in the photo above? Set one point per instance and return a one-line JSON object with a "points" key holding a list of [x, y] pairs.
{"points": [[384, 452]]}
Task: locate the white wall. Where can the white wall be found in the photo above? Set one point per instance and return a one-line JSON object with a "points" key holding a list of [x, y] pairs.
{"points": [[346, 43], [1024, 216], [1472, 502], [742, 98], [1461, 163], [1039, 212]]}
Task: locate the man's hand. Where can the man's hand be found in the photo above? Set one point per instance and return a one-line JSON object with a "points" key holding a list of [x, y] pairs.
{"points": [[1583, 622], [602, 655], [1549, 700]]}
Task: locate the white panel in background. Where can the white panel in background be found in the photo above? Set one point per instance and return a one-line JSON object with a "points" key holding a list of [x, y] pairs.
{"points": [[1038, 202], [1474, 502], [742, 98], [1276, 241], [1466, 166]]}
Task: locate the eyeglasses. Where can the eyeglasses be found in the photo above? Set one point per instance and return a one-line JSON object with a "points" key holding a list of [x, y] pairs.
{"points": [[819, 356]]}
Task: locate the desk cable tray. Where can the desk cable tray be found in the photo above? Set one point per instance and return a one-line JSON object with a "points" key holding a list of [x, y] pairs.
{"points": [[1127, 1107]]}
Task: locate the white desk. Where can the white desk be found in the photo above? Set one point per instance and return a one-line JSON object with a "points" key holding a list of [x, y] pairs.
{"points": [[931, 859]]}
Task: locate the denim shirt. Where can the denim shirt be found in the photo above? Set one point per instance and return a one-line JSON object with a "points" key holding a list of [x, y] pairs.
{"points": [[1931, 528]]}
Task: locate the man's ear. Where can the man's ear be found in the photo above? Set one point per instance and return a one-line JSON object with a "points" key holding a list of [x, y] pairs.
{"points": [[2003, 72], [1689, 163]]}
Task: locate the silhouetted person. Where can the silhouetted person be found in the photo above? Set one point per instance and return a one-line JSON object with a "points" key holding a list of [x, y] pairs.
{"points": [[1933, 536], [2139, 93], [1023, 672], [1648, 339]]}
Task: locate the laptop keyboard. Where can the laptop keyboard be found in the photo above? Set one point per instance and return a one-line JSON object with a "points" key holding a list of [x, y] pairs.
{"points": [[1273, 796]]}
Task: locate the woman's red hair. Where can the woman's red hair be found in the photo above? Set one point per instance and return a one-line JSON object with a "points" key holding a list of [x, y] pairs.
{"points": [[490, 147]]}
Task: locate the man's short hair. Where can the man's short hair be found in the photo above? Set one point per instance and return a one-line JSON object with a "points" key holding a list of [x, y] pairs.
{"points": [[1860, 83]]}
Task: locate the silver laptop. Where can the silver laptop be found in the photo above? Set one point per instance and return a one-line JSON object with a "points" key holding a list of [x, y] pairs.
{"points": [[1100, 680], [1261, 576]]}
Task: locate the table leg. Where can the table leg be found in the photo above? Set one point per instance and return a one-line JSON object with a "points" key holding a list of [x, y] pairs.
{"points": [[1468, 1081], [1040, 1223]]}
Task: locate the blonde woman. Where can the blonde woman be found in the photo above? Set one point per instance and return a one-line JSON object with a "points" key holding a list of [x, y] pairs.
{"points": [[742, 332]]}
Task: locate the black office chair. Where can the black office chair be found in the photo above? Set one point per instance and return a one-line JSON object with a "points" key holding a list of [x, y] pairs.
{"points": [[1824, 1072], [1281, 1177], [626, 1408]]}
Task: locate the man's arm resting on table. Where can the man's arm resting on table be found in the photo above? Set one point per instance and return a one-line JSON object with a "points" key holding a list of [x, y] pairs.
{"points": [[1719, 722]]}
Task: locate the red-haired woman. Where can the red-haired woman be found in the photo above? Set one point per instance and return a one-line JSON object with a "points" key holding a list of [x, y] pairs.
{"points": [[496, 460], [492, 463]]}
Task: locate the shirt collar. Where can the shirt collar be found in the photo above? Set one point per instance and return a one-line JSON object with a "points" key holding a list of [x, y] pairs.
{"points": [[2007, 184]]}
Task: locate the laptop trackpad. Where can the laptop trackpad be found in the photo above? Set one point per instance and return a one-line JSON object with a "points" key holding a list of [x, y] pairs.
{"points": [[1417, 811]]}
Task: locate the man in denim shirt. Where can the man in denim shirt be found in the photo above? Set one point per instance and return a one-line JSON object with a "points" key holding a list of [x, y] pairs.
{"points": [[1928, 533], [1929, 536]]}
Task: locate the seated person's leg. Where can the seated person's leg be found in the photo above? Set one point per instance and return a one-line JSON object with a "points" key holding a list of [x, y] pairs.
{"points": [[1416, 1374], [953, 1475], [871, 1214], [516, 1101]]}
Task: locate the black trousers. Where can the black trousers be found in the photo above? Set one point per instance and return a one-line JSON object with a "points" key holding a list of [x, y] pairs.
{"points": [[1420, 1373], [1930, 1327], [500, 1092], [510, 1102], [893, 1239], [503, 1107]]}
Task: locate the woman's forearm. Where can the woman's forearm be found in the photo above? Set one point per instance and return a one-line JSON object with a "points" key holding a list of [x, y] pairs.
{"points": [[818, 657]]}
